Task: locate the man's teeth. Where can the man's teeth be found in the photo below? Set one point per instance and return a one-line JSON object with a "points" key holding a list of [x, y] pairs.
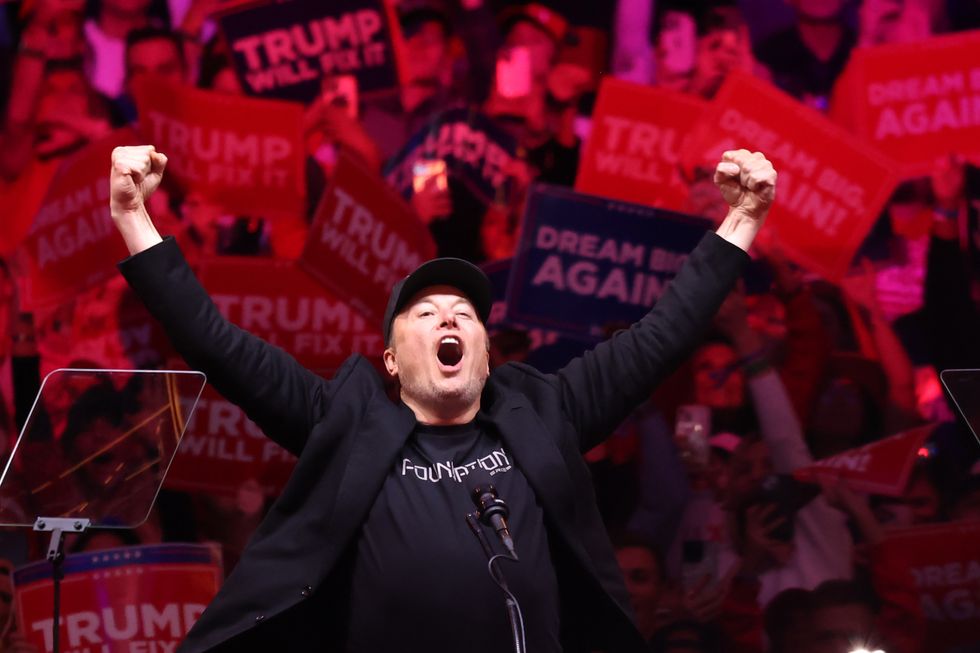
{"points": [[450, 350]]}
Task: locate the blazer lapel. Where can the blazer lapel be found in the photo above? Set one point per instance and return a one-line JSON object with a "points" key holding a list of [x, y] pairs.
{"points": [[526, 437], [376, 444]]}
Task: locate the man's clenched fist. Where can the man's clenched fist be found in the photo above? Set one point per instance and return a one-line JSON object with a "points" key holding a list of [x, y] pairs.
{"points": [[747, 182], [136, 173]]}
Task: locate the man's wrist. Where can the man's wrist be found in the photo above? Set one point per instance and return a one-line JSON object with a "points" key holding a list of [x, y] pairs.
{"points": [[739, 229], [136, 228]]}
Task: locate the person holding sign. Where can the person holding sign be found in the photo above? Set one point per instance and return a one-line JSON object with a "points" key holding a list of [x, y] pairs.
{"points": [[366, 549]]}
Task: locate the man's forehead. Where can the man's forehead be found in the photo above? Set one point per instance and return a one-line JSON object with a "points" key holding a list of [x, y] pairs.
{"points": [[438, 293]]}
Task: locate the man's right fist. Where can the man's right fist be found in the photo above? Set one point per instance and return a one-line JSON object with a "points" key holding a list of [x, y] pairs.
{"points": [[136, 172]]}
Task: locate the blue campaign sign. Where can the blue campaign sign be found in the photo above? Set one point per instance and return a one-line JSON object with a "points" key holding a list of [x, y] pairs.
{"points": [[585, 263], [284, 49], [476, 151]]}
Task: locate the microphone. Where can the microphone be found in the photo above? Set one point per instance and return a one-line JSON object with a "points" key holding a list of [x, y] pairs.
{"points": [[490, 508]]}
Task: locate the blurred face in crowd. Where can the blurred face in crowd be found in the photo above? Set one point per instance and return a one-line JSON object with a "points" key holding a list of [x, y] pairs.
{"points": [[818, 10], [641, 571], [427, 50], [103, 540], [541, 47], [750, 465], [676, 50], [104, 462], [718, 378], [841, 628], [203, 217], [767, 316], [720, 51], [64, 95], [439, 350], [66, 38], [159, 57]]}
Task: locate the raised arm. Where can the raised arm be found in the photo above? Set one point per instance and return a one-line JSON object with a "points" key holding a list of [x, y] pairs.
{"points": [[275, 391], [599, 389]]}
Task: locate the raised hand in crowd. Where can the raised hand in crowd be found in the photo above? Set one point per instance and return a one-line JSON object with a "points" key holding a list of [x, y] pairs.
{"points": [[840, 495], [862, 289], [703, 602], [760, 549], [433, 201], [330, 119], [723, 47], [192, 25]]}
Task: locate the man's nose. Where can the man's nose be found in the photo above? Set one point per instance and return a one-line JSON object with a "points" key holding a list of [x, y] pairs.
{"points": [[448, 319]]}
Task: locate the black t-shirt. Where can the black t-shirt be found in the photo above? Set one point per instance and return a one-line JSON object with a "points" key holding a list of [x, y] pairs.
{"points": [[420, 580]]}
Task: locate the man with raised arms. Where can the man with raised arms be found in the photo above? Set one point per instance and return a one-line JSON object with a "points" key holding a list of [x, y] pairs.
{"points": [[366, 549]]}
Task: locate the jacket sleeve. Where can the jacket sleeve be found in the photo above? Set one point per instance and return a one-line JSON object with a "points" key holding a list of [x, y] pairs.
{"points": [[276, 392], [599, 389]]}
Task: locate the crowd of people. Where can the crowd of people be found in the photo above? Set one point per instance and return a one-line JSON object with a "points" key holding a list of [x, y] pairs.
{"points": [[722, 550]]}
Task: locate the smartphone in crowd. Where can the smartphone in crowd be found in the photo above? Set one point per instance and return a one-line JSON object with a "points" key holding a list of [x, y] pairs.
{"points": [[341, 91], [692, 428], [425, 169], [514, 73]]}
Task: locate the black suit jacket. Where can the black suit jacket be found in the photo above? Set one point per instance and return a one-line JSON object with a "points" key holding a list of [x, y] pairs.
{"points": [[289, 590]]}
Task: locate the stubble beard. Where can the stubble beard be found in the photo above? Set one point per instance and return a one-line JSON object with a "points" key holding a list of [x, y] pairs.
{"points": [[458, 395]]}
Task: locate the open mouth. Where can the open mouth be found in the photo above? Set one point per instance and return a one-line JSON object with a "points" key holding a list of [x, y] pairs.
{"points": [[450, 351]]}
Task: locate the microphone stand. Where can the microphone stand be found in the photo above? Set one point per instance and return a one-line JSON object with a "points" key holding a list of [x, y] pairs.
{"points": [[513, 609]]}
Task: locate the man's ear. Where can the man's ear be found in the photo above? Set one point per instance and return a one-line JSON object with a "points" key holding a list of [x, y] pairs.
{"points": [[390, 363]]}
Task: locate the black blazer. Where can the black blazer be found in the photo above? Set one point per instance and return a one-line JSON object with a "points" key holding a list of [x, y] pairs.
{"points": [[289, 590]]}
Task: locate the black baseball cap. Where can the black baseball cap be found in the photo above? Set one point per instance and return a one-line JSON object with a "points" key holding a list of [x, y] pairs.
{"points": [[455, 272]]}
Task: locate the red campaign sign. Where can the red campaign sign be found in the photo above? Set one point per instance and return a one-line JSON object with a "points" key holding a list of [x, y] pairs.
{"points": [[73, 244], [939, 568], [882, 467], [280, 303], [364, 239], [632, 153], [915, 102], [831, 189], [130, 600], [222, 449], [243, 153]]}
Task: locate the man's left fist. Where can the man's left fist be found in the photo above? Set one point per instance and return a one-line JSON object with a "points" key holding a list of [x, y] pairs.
{"points": [[747, 182]]}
